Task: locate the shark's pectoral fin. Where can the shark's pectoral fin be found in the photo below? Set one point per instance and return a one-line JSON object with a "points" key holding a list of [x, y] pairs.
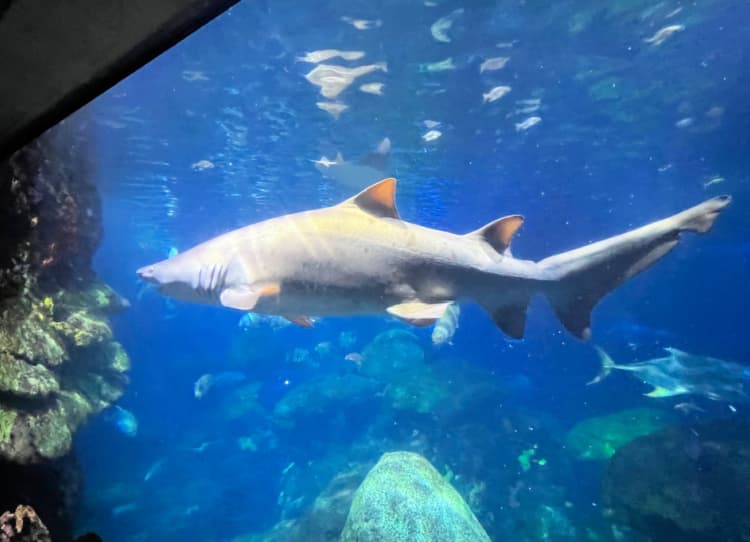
{"points": [[659, 392], [242, 298], [245, 297], [675, 353], [417, 313], [302, 321]]}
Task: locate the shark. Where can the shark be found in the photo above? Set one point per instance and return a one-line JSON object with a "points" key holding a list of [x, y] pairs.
{"points": [[682, 373], [360, 257], [356, 174]]}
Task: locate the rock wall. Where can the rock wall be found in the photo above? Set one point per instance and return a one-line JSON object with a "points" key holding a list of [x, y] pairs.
{"points": [[59, 362]]}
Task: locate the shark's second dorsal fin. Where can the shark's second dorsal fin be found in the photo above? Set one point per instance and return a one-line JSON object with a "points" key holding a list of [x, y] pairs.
{"points": [[378, 199], [499, 233]]}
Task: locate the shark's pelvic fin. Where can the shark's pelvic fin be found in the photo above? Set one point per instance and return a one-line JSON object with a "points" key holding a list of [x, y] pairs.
{"points": [[378, 199], [245, 298], [417, 313], [499, 233]]}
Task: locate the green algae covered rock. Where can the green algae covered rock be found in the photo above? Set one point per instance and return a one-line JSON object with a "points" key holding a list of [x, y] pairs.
{"points": [[59, 363], [598, 438], [396, 358], [404, 499]]}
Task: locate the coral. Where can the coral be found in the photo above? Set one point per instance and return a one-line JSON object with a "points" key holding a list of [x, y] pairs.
{"points": [[403, 498], [692, 483], [600, 437], [23, 526]]}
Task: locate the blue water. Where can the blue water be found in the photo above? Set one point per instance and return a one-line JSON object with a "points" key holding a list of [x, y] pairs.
{"points": [[630, 132]]}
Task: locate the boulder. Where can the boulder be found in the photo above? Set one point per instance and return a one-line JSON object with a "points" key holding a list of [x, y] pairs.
{"points": [[403, 498]]}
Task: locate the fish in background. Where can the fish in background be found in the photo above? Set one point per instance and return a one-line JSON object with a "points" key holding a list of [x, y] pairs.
{"points": [[446, 325], [681, 373], [636, 334], [208, 382], [124, 420], [360, 257], [355, 174], [252, 320]]}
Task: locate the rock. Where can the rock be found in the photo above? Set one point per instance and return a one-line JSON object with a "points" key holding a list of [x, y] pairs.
{"points": [[404, 499], [598, 438], [59, 363], [692, 483]]}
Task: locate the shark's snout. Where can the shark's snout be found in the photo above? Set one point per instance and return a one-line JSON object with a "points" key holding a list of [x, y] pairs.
{"points": [[147, 273]]}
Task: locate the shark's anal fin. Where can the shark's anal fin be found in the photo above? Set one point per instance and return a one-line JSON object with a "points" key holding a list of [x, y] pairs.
{"points": [[378, 199], [418, 313], [245, 297], [302, 321]]}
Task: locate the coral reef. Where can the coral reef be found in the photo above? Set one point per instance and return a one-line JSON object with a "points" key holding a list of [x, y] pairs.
{"points": [[59, 363], [403, 498], [598, 438], [23, 526], [692, 484]]}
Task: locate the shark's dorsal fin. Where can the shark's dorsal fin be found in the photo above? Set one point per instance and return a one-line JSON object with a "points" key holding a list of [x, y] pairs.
{"points": [[675, 353], [499, 233], [378, 199], [379, 158]]}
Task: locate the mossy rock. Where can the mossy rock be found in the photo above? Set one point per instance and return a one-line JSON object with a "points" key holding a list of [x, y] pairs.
{"points": [[7, 419], [27, 333], [598, 438], [82, 329], [404, 499], [24, 379]]}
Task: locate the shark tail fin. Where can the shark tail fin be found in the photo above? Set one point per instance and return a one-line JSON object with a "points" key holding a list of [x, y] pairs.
{"points": [[607, 365], [575, 281]]}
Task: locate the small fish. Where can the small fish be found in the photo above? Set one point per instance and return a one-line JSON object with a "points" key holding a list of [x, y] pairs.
{"points": [[325, 54], [172, 252], [355, 357], [439, 66], [713, 180], [528, 123], [684, 122], [251, 320], [207, 382], [202, 165], [430, 124], [356, 173], [496, 63], [662, 34], [446, 325], [362, 24], [688, 407], [495, 93], [155, 467], [123, 509], [333, 80], [124, 420], [432, 135], [665, 167], [372, 88], [440, 27], [732, 408], [333, 108], [194, 75]]}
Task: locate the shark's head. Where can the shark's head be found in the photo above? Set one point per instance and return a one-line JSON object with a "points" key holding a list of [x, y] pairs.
{"points": [[182, 277]]}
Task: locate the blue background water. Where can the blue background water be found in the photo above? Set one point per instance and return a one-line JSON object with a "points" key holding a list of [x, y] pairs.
{"points": [[608, 155]]}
